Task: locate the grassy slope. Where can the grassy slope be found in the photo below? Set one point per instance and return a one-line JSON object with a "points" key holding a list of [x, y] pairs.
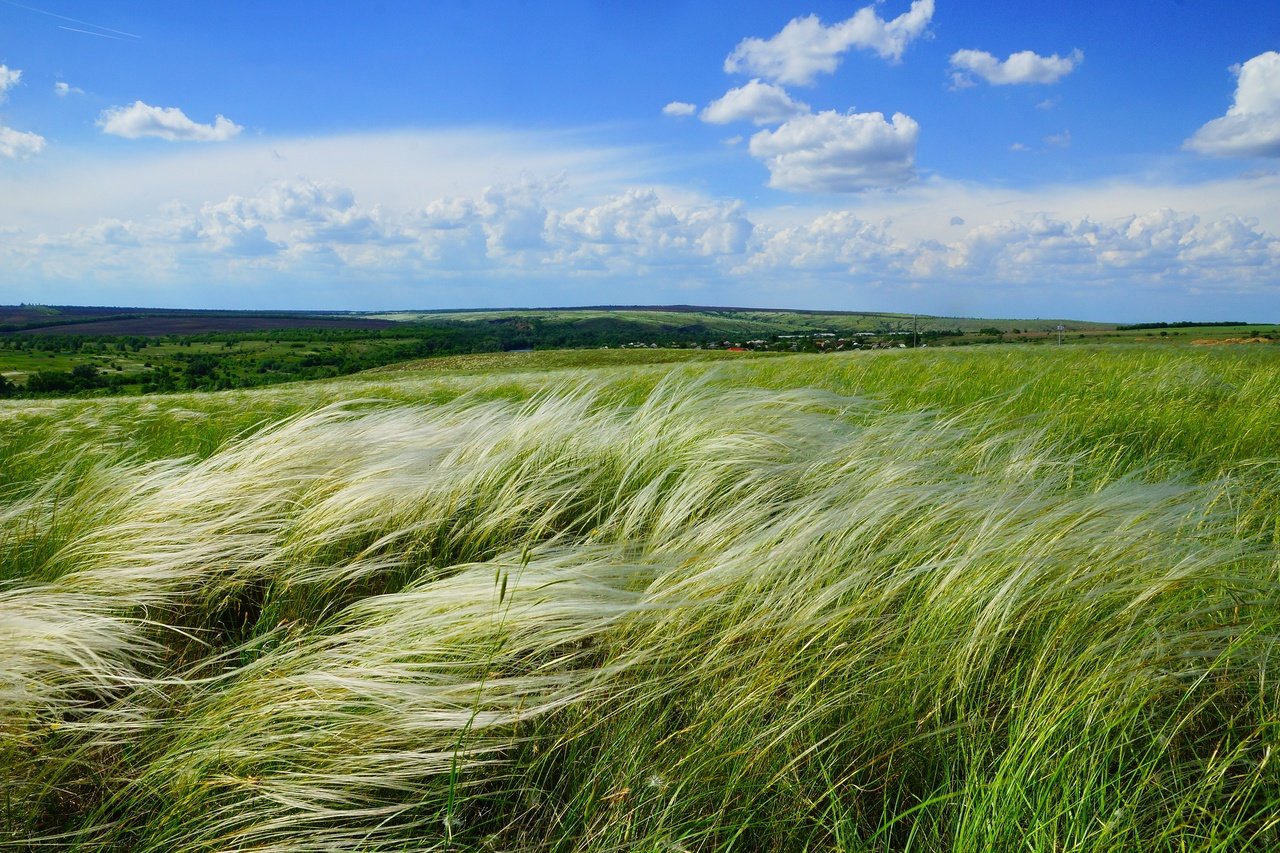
{"points": [[923, 600], [233, 360]]}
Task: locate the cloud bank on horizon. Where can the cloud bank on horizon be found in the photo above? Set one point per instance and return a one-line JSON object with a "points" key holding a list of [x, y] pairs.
{"points": [[907, 176]]}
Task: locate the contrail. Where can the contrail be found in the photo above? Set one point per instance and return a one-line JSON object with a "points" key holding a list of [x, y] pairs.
{"points": [[90, 33], [115, 33]]}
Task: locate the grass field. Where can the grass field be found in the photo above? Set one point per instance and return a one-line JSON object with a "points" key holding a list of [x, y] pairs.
{"points": [[999, 598]]}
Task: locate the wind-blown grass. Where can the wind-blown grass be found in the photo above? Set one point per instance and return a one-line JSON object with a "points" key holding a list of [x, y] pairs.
{"points": [[656, 609]]}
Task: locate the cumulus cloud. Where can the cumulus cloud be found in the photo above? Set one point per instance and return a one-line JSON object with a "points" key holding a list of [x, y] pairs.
{"points": [[1059, 140], [760, 103], [805, 48], [1158, 246], [139, 120], [106, 232], [640, 226], [838, 241], [515, 215], [227, 228], [1025, 66], [313, 213], [62, 89], [17, 144], [447, 214], [1251, 126], [9, 77], [679, 108], [839, 152], [537, 233]]}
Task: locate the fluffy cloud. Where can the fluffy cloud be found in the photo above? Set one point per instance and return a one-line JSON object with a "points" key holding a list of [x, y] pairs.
{"points": [[1251, 127], [515, 216], [226, 230], [805, 48], [106, 232], [835, 242], [1161, 245], [288, 218], [16, 144], [679, 108], [1059, 140], [306, 235], [139, 120], [761, 103], [62, 89], [837, 152], [1025, 66], [9, 77], [305, 212], [639, 225]]}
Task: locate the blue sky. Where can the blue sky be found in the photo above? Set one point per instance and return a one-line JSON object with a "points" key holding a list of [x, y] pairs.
{"points": [[1101, 161]]}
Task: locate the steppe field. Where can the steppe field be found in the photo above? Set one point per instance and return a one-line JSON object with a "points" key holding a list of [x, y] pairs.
{"points": [[971, 599]]}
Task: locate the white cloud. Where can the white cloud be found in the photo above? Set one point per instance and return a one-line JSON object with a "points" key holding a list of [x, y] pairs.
{"points": [[139, 120], [639, 225], [805, 48], [447, 214], [1251, 127], [1059, 140], [106, 232], [1159, 246], [837, 152], [663, 241], [17, 144], [515, 215], [9, 77], [448, 219], [760, 103], [1018, 146], [400, 170], [312, 213], [1025, 66], [62, 89], [226, 229], [679, 108], [838, 241]]}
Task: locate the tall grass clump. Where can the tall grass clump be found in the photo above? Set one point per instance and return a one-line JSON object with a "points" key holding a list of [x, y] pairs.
{"points": [[668, 610]]}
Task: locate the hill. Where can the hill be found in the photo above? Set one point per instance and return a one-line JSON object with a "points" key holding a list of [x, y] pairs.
{"points": [[52, 351]]}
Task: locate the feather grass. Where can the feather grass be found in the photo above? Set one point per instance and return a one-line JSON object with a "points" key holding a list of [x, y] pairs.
{"points": [[663, 609]]}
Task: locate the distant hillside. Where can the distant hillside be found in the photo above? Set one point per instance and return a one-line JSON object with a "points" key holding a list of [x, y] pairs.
{"points": [[69, 350], [687, 320], [151, 322], [748, 320]]}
